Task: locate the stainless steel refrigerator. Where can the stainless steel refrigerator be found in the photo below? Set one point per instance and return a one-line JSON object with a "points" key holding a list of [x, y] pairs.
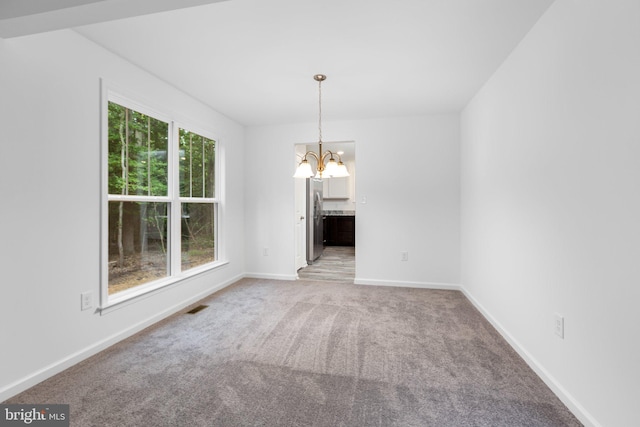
{"points": [[315, 236]]}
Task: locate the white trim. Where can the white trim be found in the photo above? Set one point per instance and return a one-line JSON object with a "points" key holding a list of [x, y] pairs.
{"points": [[137, 198], [188, 126], [129, 101], [174, 245], [404, 284], [270, 276], [62, 364], [198, 200], [574, 406], [104, 193], [124, 298]]}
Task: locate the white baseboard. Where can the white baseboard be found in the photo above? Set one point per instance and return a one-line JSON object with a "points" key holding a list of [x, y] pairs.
{"points": [[574, 406], [59, 366], [271, 276], [403, 284]]}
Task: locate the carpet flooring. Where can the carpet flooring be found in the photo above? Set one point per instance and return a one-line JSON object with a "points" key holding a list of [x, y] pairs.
{"points": [[310, 353]]}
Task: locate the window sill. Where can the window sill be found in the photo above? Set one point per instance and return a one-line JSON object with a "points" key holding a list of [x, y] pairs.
{"points": [[124, 298]]}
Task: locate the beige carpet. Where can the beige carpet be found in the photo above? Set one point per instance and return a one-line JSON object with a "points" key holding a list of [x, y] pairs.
{"points": [[273, 353]]}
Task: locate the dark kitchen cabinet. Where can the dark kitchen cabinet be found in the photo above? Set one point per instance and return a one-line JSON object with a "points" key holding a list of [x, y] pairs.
{"points": [[339, 230]]}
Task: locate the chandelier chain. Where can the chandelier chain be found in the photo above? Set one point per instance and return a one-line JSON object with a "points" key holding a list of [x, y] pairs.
{"points": [[320, 110], [333, 168]]}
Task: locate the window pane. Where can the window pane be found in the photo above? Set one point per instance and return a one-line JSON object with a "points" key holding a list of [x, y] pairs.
{"points": [[198, 230], [137, 153], [137, 244], [197, 165]]}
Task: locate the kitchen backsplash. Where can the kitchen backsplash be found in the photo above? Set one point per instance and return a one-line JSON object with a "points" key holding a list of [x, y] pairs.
{"points": [[338, 205]]}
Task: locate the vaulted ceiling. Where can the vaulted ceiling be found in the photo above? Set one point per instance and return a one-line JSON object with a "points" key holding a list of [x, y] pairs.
{"points": [[253, 60]]}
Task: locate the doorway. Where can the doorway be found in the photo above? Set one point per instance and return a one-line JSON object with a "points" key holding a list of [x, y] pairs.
{"points": [[337, 261]]}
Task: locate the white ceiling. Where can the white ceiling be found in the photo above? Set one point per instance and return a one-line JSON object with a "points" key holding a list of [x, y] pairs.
{"points": [[253, 60], [24, 17]]}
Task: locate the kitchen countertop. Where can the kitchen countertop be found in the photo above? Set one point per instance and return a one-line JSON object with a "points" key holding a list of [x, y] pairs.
{"points": [[339, 213]]}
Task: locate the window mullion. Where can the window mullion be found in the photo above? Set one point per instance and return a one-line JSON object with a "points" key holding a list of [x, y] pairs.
{"points": [[176, 207]]}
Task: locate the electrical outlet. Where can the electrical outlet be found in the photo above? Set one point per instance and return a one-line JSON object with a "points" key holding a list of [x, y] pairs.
{"points": [[86, 300], [404, 256], [265, 251], [559, 326]]}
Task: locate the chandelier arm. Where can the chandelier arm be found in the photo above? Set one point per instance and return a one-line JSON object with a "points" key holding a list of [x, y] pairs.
{"points": [[312, 154], [328, 153]]}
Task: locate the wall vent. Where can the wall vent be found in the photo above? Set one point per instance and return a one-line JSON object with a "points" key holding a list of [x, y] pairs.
{"points": [[197, 309]]}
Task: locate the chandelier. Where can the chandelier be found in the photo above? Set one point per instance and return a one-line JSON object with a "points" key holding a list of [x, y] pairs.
{"points": [[326, 160]]}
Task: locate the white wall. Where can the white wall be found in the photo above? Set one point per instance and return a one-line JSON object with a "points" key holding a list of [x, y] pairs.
{"points": [[50, 203], [551, 203], [412, 206]]}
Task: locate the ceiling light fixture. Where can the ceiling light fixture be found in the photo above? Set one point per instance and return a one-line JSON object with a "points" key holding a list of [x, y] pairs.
{"points": [[332, 168]]}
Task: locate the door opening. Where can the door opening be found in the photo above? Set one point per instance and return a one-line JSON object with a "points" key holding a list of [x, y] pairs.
{"points": [[338, 219]]}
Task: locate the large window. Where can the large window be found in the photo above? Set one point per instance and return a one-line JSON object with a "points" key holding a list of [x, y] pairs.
{"points": [[161, 206]]}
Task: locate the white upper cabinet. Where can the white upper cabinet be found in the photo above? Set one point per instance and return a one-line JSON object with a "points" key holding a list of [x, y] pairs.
{"points": [[336, 188]]}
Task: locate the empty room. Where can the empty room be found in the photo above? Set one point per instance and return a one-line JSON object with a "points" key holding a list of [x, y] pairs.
{"points": [[334, 213]]}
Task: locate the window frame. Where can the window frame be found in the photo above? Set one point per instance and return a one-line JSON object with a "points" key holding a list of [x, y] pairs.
{"points": [[175, 274]]}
